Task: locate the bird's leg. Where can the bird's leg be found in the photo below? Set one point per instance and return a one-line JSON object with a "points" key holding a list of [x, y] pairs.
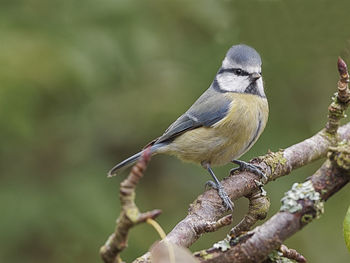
{"points": [[244, 166], [218, 187]]}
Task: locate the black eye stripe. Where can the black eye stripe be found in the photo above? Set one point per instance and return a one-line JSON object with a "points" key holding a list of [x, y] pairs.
{"points": [[236, 71]]}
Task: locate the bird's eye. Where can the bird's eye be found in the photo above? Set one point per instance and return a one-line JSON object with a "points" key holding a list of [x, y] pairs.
{"points": [[238, 71]]}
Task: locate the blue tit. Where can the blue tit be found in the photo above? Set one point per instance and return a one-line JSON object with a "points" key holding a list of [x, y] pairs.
{"points": [[224, 122]]}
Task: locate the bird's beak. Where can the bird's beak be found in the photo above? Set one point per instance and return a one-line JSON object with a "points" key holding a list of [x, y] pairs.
{"points": [[255, 76]]}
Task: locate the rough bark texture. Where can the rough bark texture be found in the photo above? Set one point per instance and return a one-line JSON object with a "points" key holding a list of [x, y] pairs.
{"points": [[326, 181]]}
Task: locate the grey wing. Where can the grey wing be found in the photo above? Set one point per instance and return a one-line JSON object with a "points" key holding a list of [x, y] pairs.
{"points": [[210, 108]]}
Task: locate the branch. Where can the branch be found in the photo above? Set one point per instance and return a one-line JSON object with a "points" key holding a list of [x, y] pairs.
{"points": [[291, 254], [302, 204], [129, 216], [259, 205]]}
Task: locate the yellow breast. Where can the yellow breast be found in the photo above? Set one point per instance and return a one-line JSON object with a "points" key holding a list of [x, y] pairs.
{"points": [[242, 126], [227, 139]]}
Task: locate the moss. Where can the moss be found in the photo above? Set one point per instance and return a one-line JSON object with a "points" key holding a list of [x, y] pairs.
{"points": [[273, 159], [203, 254], [331, 137], [133, 214], [260, 208], [336, 111], [340, 155], [277, 257], [307, 218]]}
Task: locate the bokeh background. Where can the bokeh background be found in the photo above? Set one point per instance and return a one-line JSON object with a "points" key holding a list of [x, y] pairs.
{"points": [[85, 84]]}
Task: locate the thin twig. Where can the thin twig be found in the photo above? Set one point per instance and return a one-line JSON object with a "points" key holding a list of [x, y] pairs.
{"points": [[336, 111], [258, 207], [130, 214], [292, 254]]}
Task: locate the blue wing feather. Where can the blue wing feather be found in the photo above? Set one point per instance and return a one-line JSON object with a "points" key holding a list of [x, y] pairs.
{"points": [[210, 108]]}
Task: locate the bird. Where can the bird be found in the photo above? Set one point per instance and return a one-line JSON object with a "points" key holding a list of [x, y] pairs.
{"points": [[222, 124]]}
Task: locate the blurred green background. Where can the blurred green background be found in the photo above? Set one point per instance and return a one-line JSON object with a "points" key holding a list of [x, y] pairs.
{"points": [[85, 84]]}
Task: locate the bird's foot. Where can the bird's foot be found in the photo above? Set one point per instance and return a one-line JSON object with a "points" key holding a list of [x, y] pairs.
{"points": [[244, 166], [223, 195]]}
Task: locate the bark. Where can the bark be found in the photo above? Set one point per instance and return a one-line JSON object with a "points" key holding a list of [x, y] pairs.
{"points": [[328, 180]]}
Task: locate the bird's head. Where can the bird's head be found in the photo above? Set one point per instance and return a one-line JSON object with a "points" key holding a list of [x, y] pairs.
{"points": [[241, 71]]}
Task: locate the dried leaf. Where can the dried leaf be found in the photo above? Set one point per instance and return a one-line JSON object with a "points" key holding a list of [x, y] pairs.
{"points": [[160, 254]]}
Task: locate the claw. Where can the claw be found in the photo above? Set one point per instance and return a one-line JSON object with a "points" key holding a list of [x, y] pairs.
{"points": [[210, 184], [218, 187], [221, 192], [244, 166], [224, 197]]}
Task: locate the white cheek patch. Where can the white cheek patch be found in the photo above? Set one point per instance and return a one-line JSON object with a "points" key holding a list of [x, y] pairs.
{"points": [[230, 82]]}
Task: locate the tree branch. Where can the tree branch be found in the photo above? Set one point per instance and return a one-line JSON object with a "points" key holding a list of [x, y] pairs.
{"points": [[301, 205], [130, 215], [259, 205]]}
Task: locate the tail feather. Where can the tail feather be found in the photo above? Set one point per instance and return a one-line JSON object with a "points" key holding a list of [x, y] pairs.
{"points": [[124, 164], [131, 160]]}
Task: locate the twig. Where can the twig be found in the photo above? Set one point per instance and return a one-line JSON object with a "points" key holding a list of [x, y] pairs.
{"points": [[258, 207], [292, 254], [214, 226], [285, 255], [130, 214], [336, 110]]}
